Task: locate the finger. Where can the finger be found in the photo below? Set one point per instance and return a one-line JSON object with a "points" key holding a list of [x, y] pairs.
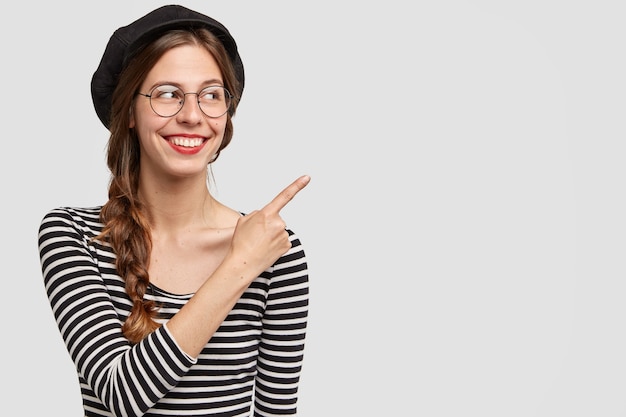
{"points": [[286, 195]]}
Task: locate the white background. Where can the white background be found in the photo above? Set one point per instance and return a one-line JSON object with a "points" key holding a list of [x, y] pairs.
{"points": [[465, 223]]}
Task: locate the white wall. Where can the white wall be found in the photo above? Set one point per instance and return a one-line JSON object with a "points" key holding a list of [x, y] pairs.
{"points": [[465, 221]]}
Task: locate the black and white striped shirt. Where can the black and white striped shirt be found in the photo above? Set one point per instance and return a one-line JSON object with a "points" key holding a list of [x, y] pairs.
{"points": [[255, 355]]}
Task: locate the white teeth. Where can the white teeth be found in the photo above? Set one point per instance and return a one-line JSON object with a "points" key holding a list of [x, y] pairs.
{"points": [[186, 142]]}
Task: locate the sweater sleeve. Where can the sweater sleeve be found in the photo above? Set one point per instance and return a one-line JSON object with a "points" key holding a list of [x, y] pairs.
{"points": [[128, 379], [282, 339]]}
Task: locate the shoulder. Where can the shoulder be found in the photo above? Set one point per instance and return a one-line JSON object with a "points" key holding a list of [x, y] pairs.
{"points": [[85, 219], [296, 255], [77, 214]]}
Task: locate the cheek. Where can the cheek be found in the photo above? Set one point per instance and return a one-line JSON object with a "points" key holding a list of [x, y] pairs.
{"points": [[219, 127], [142, 119]]}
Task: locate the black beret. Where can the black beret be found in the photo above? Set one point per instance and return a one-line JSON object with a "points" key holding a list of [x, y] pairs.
{"points": [[126, 40]]}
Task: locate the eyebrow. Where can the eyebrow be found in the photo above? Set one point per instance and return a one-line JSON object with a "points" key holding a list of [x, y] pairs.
{"points": [[204, 84]]}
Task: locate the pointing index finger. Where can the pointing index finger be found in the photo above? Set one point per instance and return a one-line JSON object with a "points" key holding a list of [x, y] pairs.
{"points": [[286, 195]]}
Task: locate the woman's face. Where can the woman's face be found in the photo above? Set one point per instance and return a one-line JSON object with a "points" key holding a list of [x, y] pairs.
{"points": [[184, 144]]}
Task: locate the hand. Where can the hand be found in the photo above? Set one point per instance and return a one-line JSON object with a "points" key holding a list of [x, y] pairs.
{"points": [[260, 237]]}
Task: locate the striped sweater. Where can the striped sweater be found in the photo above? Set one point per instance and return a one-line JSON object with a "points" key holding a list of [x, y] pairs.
{"points": [[252, 362]]}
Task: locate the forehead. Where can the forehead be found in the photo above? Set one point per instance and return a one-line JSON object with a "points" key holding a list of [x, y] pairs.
{"points": [[185, 65]]}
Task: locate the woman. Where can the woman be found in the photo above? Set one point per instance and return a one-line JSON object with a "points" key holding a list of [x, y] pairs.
{"points": [[169, 302]]}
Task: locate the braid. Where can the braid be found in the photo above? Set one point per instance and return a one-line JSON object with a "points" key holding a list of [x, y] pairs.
{"points": [[128, 232]]}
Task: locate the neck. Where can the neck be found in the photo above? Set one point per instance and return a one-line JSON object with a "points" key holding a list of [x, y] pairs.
{"points": [[178, 205]]}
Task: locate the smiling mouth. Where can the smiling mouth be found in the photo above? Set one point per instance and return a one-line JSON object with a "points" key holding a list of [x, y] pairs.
{"points": [[187, 142]]}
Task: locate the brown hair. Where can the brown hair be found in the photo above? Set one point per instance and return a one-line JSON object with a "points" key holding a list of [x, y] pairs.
{"points": [[126, 226]]}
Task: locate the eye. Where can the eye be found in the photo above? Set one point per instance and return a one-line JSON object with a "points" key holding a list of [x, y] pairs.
{"points": [[167, 92], [211, 94]]}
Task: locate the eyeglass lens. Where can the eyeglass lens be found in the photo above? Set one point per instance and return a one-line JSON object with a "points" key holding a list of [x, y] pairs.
{"points": [[167, 100]]}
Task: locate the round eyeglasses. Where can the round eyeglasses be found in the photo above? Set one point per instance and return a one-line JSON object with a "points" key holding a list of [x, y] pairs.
{"points": [[167, 100]]}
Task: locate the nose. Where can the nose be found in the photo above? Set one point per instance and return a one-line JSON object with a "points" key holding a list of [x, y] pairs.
{"points": [[190, 111]]}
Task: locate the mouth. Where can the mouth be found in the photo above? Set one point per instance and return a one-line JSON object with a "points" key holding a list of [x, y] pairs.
{"points": [[186, 142]]}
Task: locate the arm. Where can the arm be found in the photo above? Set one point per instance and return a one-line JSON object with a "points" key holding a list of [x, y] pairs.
{"points": [[284, 329], [260, 239], [127, 379]]}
